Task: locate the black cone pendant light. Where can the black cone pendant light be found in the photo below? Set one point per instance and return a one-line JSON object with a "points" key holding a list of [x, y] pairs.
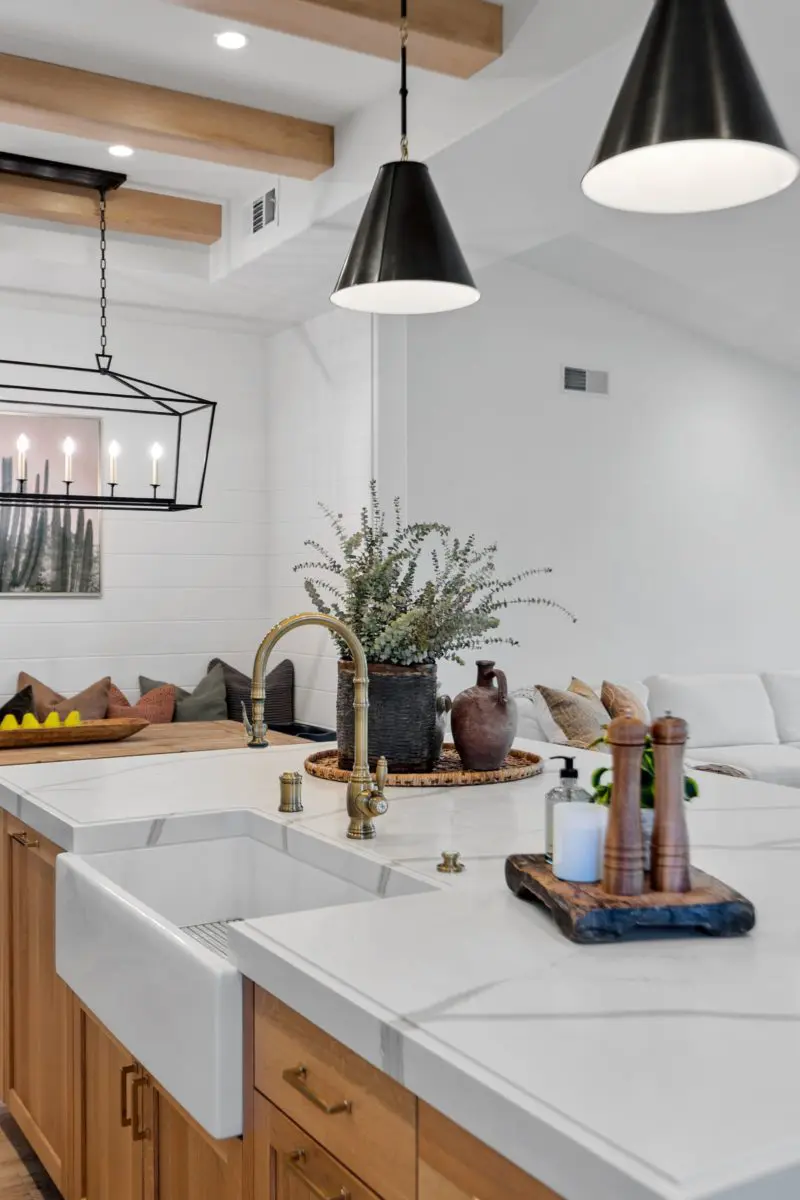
{"points": [[691, 130], [405, 258]]}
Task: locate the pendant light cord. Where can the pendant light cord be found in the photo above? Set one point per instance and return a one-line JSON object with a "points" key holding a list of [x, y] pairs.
{"points": [[103, 298], [404, 80]]}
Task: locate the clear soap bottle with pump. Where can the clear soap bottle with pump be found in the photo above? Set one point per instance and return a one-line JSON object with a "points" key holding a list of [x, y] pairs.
{"points": [[568, 791]]}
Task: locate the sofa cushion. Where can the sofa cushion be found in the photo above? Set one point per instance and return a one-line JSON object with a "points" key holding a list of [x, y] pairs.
{"points": [[535, 721], [91, 703], [771, 764], [205, 703], [157, 707], [721, 710], [18, 706], [581, 720], [278, 686], [621, 701], [783, 689]]}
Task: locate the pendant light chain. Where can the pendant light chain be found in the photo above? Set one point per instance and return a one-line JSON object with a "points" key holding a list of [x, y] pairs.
{"points": [[103, 297], [404, 80]]}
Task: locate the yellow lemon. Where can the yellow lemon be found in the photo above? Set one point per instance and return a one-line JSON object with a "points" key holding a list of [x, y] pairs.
{"points": [[29, 721], [52, 721], [9, 722], [73, 718]]}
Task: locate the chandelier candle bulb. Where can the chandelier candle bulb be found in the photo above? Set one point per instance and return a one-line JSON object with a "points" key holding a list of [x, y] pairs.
{"points": [[23, 446], [69, 449], [114, 450], [156, 453], [623, 871], [670, 870]]}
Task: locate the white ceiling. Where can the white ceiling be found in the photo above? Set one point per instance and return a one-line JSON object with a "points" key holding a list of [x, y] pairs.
{"points": [[507, 148]]}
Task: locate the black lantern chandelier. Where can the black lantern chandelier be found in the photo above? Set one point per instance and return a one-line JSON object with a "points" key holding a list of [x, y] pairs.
{"points": [[405, 258], [92, 437], [691, 130]]}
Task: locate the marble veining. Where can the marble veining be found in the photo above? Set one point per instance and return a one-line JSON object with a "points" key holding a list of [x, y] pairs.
{"points": [[656, 1070]]}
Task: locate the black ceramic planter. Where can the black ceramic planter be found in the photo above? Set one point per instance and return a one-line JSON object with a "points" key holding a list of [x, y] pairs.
{"points": [[402, 716]]}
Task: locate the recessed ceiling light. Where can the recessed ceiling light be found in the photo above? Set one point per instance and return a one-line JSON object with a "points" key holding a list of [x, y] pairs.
{"points": [[120, 151], [230, 40]]}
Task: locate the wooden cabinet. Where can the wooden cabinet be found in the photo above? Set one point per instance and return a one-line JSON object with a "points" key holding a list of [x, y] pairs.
{"points": [[455, 1166], [359, 1114], [290, 1165], [36, 1005], [108, 1114], [182, 1162]]}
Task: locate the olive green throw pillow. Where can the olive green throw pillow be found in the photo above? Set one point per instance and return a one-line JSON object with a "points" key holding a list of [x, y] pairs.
{"points": [[205, 703]]}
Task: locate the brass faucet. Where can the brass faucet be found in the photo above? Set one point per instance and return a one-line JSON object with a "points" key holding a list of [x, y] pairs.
{"points": [[365, 799]]}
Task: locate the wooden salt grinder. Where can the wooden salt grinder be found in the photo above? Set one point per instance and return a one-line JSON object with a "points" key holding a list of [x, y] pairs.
{"points": [[623, 868], [670, 861]]}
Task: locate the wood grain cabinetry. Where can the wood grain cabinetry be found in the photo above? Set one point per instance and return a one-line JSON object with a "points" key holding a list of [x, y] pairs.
{"points": [[182, 1162], [356, 1112], [36, 1005]]}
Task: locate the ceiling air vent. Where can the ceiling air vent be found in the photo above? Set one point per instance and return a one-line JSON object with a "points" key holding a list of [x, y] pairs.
{"points": [[263, 211], [578, 379]]}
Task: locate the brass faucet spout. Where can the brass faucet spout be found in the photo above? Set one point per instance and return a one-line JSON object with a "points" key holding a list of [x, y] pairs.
{"points": [[365, 799]]}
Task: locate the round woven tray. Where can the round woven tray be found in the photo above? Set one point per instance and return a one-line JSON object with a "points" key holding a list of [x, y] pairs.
{"points": [[448, 772]]}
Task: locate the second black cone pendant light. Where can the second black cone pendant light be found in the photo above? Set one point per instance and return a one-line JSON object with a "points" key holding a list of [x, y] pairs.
{"points": [[405, 258], [691, 130]]}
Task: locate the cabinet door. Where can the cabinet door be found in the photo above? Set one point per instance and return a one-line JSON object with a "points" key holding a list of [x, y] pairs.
{"points": [[290, 1165], [182, 1162], [108, 1115], [37, 1005], [453, 1165]]}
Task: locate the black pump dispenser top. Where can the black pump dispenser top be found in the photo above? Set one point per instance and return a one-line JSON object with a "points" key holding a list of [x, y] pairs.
{"points": [[568, 771]]}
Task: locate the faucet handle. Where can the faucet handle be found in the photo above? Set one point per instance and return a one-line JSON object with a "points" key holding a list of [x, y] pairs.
{"points": [[381, 774], [248, 724]]}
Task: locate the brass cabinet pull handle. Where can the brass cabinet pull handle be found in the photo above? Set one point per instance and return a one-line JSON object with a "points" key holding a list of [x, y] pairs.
{"points": [[26, 840], [294, 1162], [139, 1134], [125, 1118], [296, 1077]]}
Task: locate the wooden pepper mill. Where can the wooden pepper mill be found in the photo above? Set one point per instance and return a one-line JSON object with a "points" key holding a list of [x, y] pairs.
{"points": [[670, 861], [623, 867]]}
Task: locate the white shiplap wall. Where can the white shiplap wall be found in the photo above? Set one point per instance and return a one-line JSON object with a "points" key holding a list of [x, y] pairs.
{"points": [[318, 387], [177, 589]]}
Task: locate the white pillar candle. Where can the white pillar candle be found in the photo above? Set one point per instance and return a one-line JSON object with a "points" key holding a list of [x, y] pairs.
{"points": [[68, 447], [156, 452], [23, 446], [114, 450], [579, 838]]}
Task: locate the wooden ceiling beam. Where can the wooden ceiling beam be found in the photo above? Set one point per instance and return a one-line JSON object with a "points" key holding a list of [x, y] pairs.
{"points": [[149, 214], [59, 99], [454, 37]]}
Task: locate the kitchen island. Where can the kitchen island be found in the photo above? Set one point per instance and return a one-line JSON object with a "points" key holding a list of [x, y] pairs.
{"points": [[657, 1070]]}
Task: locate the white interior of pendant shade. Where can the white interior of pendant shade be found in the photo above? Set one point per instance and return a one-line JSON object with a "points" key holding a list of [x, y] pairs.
{"points": [[691, 176], [406, 297]]}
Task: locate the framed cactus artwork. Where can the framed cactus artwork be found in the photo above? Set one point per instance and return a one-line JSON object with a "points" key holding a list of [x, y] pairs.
{"points": [[49, 551]]}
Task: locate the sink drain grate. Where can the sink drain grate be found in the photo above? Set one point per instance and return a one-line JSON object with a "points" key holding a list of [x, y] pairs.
{"points": [[213, 935]]}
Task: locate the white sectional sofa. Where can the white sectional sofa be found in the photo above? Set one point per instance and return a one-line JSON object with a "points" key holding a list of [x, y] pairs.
{"points": [[747, 721]]}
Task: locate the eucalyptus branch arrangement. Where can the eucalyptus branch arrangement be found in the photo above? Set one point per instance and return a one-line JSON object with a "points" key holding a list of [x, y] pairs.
{"points": [[405, 611], [602, 790]]}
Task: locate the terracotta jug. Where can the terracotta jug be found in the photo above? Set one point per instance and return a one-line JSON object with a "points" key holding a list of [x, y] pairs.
{"points": [[484, 721]]}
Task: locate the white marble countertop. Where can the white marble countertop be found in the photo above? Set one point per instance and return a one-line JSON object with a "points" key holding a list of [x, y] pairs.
{"points": [[665, 1069]]}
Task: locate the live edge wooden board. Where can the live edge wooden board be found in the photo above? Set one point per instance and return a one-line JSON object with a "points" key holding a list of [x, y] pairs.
{"points": [[585, 913]]}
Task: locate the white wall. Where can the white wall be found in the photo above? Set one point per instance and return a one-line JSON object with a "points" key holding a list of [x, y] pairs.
{"points": [[177, 588], [668, 510], [318, 391]]}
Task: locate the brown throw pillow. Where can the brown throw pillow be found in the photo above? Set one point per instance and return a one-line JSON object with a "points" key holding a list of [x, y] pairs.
{"points": [[582, 689], [157, 707], [91, 703], [581, 720], [621, 702]]}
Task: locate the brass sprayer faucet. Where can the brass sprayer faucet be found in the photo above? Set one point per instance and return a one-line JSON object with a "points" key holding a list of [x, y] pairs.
{"points": [[365, 799]]}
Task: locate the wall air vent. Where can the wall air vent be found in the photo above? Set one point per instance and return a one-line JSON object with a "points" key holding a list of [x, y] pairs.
{"points": [[578, 379], [263, 211]]}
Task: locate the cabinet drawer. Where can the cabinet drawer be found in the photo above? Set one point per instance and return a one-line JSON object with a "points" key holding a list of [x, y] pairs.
{"points": [[453, 1165], [363, 1117], [290, 1164]]}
